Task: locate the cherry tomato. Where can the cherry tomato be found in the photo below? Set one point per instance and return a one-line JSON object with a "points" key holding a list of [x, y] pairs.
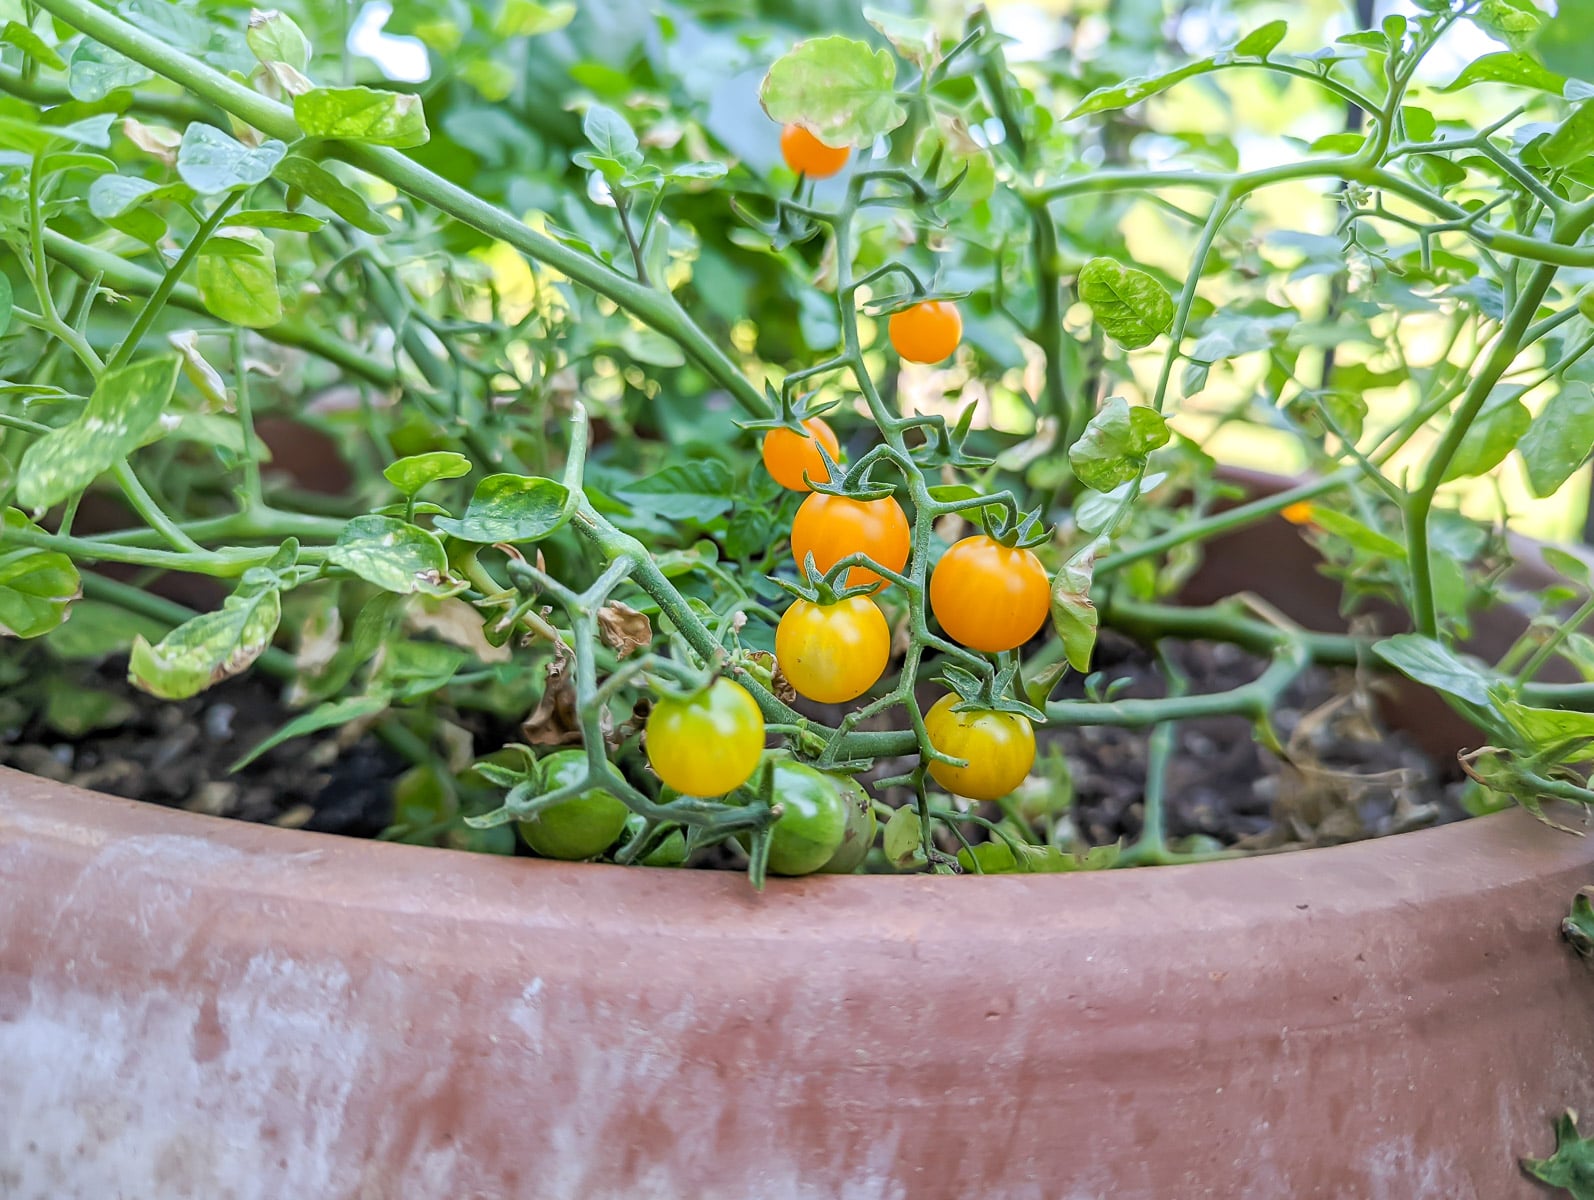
{"points": [[813, 821], [707, 744], [832, 527], [989, 596], [807, 155], [583, 826], [833, 653], [787, 456], [855, 843], [999, 748], [927, 332]]}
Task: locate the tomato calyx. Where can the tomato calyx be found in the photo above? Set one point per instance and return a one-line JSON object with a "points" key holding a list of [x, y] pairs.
{"points": [[991, 694], [829, 588], [1021, 530]]}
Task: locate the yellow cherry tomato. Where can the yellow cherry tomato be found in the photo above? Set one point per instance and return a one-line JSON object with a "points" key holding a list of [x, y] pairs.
{"points": [[833, 653], [707, 744], [999, 748]]}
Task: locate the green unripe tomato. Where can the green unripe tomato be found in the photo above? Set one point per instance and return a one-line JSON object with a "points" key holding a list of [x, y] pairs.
{"points": [[585, 825], [861, 826], [813, 820]]}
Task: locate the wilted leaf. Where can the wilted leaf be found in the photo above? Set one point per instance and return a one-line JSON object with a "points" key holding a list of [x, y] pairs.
{"points": [[126, 404], [1073, 613], [200, 373], [902, 841], [624, 629], [208, 648]]}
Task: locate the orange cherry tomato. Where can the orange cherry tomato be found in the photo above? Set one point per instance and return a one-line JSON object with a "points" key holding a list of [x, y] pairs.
{"points": [[989, 596], [832, 527], [807, 155], [927, 332], [833, 653], [787, 456]]}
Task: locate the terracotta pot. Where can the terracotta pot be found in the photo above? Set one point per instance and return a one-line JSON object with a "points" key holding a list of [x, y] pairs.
{"points": [[193, 1007]]}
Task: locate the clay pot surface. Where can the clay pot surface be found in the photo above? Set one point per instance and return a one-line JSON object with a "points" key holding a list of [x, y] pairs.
{"points": [[192, 1007]]}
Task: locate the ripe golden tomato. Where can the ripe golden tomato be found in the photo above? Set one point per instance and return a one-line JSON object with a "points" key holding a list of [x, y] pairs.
{"points": [[927, 332], [787, 456], [989, 596], [832, 527], [807, 155]]}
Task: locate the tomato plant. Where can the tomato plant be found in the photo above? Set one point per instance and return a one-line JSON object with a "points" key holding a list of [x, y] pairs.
{"points": [[443, 405]]}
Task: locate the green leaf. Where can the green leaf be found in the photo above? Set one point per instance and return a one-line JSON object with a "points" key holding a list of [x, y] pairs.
{"points": [[211, 161], [1515, 24], [126, 404], [362, 114], [24, 39], [690, 491], [509, 508], [325, 188], [36, 586], [915, 38], [615, 149], [1430, 662], [1499, 426], [97, 630], [96, 71], [1507, 66], [240, 289], [6, 304], [1362, 537], [841, 90], [749, 533], [1578, 926], [1133, 91], [1550, 729], [1073, 613], [1114, 446], [274, 37], [270, 218], [1566, 43], [524, 18], [1262, 42], [1573, 141], [1131, 306], [1572, 1165], [901, 840], [112, 195], [208, 648], [1560, 438], [411, 474], [323, 716], [393, 555]]}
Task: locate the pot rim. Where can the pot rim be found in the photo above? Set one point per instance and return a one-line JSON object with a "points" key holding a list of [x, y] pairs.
{"points": [[1463, 858]]}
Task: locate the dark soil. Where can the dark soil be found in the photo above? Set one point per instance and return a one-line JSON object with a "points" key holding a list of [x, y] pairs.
{"points": [[1346, 777], [179, 754]]}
